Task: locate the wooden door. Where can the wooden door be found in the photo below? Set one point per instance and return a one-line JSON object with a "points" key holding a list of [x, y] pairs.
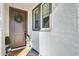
{"points": [[18, 27]]}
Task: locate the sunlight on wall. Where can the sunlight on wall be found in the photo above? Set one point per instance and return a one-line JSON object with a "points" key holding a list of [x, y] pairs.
{"points": [[2, 28]]}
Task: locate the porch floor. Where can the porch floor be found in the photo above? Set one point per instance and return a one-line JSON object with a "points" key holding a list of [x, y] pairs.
{"points": [[20, 52]]}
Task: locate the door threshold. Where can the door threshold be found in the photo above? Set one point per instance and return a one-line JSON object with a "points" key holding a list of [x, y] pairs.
{"points": [[18, 48]]}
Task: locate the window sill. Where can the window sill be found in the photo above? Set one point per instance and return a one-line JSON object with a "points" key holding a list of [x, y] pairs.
{"points": [[45, 30]]}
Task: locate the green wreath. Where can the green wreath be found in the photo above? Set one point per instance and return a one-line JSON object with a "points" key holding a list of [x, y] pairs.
{"points": [[18, 18]]}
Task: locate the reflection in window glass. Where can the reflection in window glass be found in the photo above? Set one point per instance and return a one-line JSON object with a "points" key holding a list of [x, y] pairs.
{"points": [[45, 15], [36, 18]]}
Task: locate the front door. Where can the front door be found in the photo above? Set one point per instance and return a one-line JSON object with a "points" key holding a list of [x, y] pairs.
{"points": [[17, 27]]}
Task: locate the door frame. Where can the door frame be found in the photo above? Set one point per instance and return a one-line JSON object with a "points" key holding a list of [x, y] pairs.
{"points": [[26, 22]]}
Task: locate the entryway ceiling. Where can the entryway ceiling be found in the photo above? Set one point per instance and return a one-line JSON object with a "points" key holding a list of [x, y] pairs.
{"points": [[27, 5]]}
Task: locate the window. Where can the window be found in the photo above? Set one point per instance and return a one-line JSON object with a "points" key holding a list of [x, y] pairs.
{"points": [[36, 18], [46, 11], [41, 16]]}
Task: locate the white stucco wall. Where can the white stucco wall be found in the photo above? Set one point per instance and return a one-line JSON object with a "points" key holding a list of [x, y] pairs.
{"points": [[62, 39], [35, 37], [78, 29]]}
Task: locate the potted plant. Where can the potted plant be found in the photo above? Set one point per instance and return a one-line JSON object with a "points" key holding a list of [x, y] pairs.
{"points": [[28, 39], [7, 44]]}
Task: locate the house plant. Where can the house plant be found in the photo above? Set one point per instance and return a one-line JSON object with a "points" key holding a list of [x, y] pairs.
{"points": [[7, 44], [28, 40]]}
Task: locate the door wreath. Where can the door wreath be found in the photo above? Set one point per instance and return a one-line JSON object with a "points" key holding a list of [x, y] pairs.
{"points": [[18, 18]]}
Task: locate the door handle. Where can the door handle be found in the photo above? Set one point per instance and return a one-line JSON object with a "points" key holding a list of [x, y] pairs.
{"points": [[25, 35]]}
